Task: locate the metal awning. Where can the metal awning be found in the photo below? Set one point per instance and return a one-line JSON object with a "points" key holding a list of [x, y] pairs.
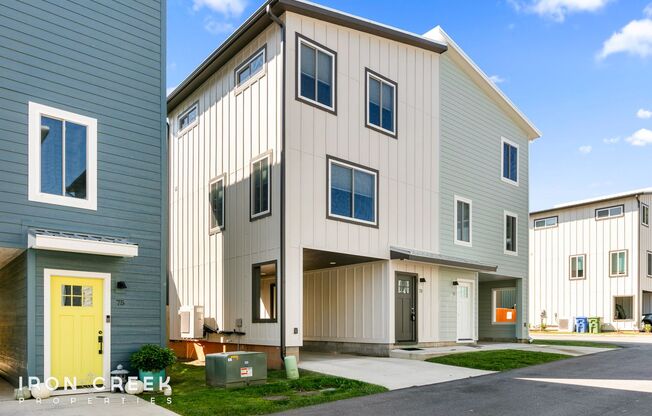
{"points": [[42, 239], [397, 253]]}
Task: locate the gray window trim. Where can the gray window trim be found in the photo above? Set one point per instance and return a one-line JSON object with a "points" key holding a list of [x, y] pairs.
{"points": [[645, 208], [214, 230], [187, 111], [383, 80], [255, 293], [329, 161], [609, 216], [297, 82], [240, 68], [268, 211]]}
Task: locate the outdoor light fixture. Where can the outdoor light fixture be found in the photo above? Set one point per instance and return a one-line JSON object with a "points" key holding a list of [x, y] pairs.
{"points": [[122, 285], [455, 283]]}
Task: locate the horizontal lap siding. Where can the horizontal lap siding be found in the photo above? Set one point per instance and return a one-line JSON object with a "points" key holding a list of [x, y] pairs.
{"points": [[13, 320]]}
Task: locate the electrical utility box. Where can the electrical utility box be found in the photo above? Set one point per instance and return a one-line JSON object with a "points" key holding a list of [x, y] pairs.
{"points": [[236, 369]]}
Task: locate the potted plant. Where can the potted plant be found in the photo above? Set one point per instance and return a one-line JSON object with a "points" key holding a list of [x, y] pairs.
{"points": [[151, 361]]}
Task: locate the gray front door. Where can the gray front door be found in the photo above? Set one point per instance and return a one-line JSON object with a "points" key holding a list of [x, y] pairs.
{"points": [[405, 312]]}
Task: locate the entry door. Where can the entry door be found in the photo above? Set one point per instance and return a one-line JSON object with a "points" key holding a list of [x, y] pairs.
{"points": [[405, 312], [76, 329], [465, 311]]}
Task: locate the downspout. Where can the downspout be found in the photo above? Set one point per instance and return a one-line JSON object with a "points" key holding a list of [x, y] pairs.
{"points": [[638, 266], [281, 274]]}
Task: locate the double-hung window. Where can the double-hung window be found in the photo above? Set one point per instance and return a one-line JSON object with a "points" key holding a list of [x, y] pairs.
{"points": [[216, 198], [381, 103], [645, 215], [250, 67], [577, 267], [62, 157], [462, 221], [509, 161], [545, 222], [511, 233], [316, 69], [609, 212], [261, 186], [352, 192], [618, 263]]}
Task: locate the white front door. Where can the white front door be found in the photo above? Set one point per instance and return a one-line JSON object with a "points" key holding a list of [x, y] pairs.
{"points": [[465, 311]]}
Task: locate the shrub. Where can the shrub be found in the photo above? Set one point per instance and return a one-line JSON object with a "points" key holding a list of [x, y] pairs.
{"points": [[647, 328], [152, 358]]}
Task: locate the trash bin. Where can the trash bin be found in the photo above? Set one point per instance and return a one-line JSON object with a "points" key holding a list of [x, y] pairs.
{"points": [[594, 325], [581, 324]]}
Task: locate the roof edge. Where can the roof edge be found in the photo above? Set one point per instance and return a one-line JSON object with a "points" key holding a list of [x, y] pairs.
{"points": [[605, 198], [397, 253]]}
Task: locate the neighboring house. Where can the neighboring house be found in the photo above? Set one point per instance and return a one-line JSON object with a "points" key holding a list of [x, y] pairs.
{"points": [[343, 185], [82, 174], [592, 258]]}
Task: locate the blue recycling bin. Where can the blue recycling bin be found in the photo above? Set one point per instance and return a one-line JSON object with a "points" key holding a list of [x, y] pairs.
{"points": [[582, 324]]}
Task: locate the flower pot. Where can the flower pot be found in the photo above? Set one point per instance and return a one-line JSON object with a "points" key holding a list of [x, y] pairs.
{"points": [[156, 378]]}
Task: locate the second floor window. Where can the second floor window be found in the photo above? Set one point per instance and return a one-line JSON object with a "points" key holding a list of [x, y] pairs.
{"points": [[261, 183], [216, 197], [510, 161], [618, 263], [649, 264], [462, 221], [352, 192], [511, 232], [609, 212], [545, 222], [577, 267], [316, 74], [381, 103], [645, 215]]}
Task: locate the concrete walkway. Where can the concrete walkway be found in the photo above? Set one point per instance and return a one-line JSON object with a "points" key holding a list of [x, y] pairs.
{"points": [[614, 338], [392, 373]]}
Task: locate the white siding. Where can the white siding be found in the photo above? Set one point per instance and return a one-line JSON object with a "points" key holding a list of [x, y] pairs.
{"points": [[646, 246]]}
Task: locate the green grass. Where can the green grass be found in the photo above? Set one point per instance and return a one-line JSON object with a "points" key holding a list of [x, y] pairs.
{"points": [[192, 397], [498, 360], [573, 343]]}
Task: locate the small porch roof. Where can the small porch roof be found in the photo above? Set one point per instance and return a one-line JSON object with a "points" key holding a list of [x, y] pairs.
{"points": [[42, 239], [398, 253]]}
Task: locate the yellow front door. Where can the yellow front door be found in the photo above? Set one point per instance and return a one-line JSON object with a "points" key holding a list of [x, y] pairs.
{"points": [[76, 325]]}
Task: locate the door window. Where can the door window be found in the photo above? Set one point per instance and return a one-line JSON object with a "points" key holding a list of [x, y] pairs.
{"points": [[404, 287], [76, 295]]}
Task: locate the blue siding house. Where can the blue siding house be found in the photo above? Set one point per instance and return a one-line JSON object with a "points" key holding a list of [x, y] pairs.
{"points": [[82, 172]]}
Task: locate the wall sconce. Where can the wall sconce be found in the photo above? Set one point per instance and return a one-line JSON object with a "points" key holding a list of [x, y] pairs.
{"points": [[122, 285], [422, 279], [455, 283]]}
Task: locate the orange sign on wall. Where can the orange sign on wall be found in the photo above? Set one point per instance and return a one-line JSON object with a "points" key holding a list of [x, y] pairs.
{"points": [[506, 315]]}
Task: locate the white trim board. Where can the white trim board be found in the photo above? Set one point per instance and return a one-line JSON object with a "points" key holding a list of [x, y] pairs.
{"points": [[79, 245]]}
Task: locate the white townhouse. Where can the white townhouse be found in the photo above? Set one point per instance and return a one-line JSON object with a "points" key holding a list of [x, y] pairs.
{"points": [[592, 258], [337, 184]]}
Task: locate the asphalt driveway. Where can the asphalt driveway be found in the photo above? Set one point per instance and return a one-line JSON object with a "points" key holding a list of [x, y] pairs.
{"points": [[617, 382]]}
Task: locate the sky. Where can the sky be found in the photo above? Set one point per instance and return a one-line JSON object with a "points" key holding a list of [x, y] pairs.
{"points": [[581, 70]]}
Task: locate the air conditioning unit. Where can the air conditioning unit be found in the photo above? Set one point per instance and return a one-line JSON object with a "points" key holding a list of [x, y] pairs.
{"points": [[566, 325], [192, 321]]}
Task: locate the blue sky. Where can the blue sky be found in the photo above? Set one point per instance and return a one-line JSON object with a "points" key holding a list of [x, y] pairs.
{"points": [[581, 70]]}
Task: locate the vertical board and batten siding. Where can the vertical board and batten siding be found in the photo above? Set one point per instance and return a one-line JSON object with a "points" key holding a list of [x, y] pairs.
{"points": [[578, 232], [103, 60], [645, 247], [408, 175], [13, 319], [234, 126]]}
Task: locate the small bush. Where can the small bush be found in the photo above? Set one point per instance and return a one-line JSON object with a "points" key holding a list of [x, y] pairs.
{"points": [[647, 328], [152, 358]]}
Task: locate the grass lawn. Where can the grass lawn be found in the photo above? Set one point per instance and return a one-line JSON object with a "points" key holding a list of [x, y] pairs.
{"points": [[573, 343], [192, 397], [498, 360]]}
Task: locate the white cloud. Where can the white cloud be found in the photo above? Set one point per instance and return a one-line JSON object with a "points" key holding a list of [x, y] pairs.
{"points": [[585, 149], [497, 79], [217, 27], [558, 9], [229, 8], [633, 39], [644, 114], [641, 137], [169, 90], [648, 10], [612, 140]]}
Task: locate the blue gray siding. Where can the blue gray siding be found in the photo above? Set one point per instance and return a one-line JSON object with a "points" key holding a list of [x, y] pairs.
{"points": [[13, 319]]}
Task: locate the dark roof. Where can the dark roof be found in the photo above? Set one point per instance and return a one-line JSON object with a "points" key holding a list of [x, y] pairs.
{"points": [[397, 253], [80, 236], [259, 20]]}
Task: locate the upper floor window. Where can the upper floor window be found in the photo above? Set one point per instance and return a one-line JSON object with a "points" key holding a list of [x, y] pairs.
{"points": [[618, 263], [188, 117], [511, 233], [250, 67], [545, 222], [462, 221], [62, 157], [509, 161], [216, 198], [645, 215], [649, 264], [352, 192], [381, 103], [610, 212], [577, 267], [261, 186], [316, 74]]}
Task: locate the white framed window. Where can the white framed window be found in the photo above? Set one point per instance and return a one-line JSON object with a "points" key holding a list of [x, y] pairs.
{"points": [[618, 263], [381, 103], [623, 308], [252, 66], [649, 264], [261, 186], [609, 212], [188, 118], [542, 223], [578, 267], [316, 74], [645, 215], [509, 161], [62, 157], [463, 221], [216, 198], [352, 192], [511, 233], [503, 306]]}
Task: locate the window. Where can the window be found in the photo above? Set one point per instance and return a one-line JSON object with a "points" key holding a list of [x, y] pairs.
{"points": [[381, 103], [545, 223], [188, 117], [509, 161], [316, 74], [504, 305], [264, 292], [352, 192], [577, 266], [462, 221], [261, 184], [610, 212], [74, 295], [623, 308], [216, 198], [62, 157], [511, 231], [649, 264], [645, 215], [618, 263], [250, 67]]}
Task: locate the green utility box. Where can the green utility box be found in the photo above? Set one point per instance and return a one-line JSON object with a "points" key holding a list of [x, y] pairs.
{"points": [[236, 369], [594, 325]]}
